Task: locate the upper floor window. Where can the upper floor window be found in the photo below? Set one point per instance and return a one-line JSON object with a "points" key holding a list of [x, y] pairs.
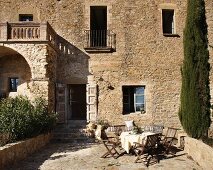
{"points": [[168, 21], [25, 17], [98, 26], [13, 84], [133, 99], [99, 38]]}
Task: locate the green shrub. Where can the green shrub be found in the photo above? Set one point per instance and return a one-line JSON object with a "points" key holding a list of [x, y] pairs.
{"points": [[23, 119]]}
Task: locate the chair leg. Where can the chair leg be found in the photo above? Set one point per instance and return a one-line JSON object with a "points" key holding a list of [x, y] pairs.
{"points": [[148, 160], [138, 154], [141, 156], [113, 152], [138, 158], [152, 154]]}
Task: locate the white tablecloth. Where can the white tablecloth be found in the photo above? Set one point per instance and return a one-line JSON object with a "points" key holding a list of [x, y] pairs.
{"points": [[127, 139]]}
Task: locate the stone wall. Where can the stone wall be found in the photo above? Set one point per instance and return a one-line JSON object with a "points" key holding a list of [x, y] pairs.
{"points": [[10, 67], [14, 152], [35, 65], [209, 13], [144, 56], [51, 58], [200, 152]]}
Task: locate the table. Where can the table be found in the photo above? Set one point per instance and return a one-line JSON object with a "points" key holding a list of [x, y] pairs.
{"points": [[128, 139]]}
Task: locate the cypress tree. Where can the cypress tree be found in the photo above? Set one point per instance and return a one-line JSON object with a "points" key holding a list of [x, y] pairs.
{"points": [[194, 112]]}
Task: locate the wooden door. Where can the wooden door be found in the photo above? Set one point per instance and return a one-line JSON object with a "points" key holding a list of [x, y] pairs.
{"points": [[77, 102]]}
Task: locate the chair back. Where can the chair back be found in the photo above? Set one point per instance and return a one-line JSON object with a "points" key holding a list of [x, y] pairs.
{"points": [[153, 128], [152, 141], [171, 132], [117, 129], [148, 128]]}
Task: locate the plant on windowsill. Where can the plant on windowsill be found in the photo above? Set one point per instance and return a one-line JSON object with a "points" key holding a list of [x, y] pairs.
{"points": [[142, 110], [135, 130]]}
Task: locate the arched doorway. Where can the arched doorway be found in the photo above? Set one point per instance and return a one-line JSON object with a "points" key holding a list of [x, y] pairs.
{"points": [[15, 73]]}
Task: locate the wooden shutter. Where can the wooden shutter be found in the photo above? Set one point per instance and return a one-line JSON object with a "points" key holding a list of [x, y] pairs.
{"points": [[61, 102], [91, 102]]}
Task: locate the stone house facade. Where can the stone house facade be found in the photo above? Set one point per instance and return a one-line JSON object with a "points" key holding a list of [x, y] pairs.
{"points": [[111, 60]]}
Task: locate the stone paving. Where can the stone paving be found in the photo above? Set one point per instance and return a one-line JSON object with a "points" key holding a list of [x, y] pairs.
{"points": [[67, 156]]}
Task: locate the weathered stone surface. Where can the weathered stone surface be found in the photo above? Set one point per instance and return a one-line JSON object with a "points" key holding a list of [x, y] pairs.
{"points": [[143, 55], [200, 152], [14, 152], [83, 156]]}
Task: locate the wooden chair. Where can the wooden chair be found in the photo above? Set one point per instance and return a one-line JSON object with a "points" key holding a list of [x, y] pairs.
{"points": [[116, 129], [147, 150], [167, 141], [112, 145], [111, 141], [153, 128]]}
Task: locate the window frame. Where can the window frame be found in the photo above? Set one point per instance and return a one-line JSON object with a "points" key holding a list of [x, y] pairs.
{"points": [[25, 15], [14, 80], [131, 105], [173, 8], [166, 13], [137, 103]]}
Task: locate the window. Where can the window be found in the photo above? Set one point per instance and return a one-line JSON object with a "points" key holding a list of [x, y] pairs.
{"points": [[168, 21], [133, 99], [2, 95], [13, 84], [98, 26], [25, 17]]}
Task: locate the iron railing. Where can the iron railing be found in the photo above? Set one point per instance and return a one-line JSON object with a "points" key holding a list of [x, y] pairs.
{"points": [[99, 39]]}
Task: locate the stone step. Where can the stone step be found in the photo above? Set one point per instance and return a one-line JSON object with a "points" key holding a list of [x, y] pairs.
{"points": [[71, 135], [77, 124], [71, 132], [75, 140]]}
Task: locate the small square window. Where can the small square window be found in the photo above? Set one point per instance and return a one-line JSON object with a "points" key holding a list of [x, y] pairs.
{"points": [[168, 21], [133, 99], [13, 84], [25, 17]]}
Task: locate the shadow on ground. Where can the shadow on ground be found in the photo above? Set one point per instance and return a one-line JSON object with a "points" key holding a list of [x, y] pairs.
{"points": [[52, 151]]}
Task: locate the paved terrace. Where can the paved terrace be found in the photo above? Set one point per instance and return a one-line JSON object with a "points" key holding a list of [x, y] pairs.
{"points": [[73, 156]]}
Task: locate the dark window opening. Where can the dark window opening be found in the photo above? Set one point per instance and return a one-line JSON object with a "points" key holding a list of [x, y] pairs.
{"points": [[2, 95], [168, 21], [133, 99], [25, 17], [98, 26], [13, 84]]}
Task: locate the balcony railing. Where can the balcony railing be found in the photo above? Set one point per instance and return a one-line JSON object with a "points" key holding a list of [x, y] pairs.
{"points": [[28, 31], [100, 41], [95, 40]]}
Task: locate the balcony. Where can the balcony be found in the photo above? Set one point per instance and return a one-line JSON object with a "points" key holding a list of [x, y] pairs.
{"points": [[100, 41], [28, 32]]}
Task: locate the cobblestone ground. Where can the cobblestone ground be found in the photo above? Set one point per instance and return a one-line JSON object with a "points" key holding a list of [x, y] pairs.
{"points": [[65, 156]]}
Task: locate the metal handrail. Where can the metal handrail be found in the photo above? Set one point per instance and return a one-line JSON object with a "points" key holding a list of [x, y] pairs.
{"points": [[99, 39]]}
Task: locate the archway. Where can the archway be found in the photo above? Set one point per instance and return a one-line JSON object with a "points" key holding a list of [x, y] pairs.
{"points": [[15, 73]]}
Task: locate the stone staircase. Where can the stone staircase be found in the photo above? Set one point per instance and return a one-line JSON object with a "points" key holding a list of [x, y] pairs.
{"points": [[72, 132]]}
